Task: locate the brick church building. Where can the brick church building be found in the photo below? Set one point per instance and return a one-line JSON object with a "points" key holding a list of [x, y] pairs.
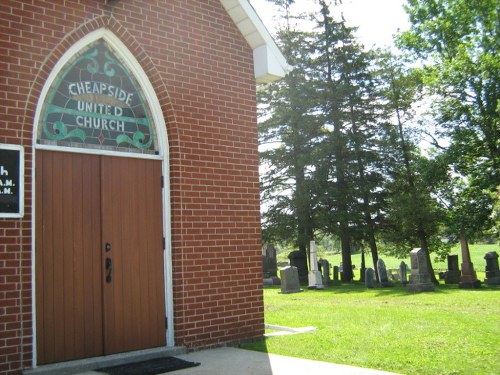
{"points": [[129, 190]]}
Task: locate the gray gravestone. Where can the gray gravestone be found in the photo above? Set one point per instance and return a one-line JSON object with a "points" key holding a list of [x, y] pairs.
{"points": [[382, 274], [492, 271], [335, 273], [370, 278], [290, 280], [452, 275], [403, 271], [325, 271], [420, 277], [269, 261], [363, 268], [468, 280]]}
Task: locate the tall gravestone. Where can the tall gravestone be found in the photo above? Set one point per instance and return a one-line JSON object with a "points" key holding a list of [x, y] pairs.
{"points": [[403, 273], [363, 267], [452, 275], [269, 262], [420, 276], [468, 280], [314, 276], [298, 259], [270, 265], [382, 274], [290, 280], [492, 271], [370, 278], [335, 273], [325, 271]]}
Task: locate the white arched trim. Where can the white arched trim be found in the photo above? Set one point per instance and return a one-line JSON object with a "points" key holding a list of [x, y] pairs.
{"points": [[161, 133]]}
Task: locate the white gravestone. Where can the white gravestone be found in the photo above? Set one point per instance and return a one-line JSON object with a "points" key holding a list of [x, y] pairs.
{"points": [[314, 276]]}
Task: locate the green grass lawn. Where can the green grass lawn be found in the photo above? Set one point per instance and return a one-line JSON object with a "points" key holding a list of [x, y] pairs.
{"points": [[449, 331]]}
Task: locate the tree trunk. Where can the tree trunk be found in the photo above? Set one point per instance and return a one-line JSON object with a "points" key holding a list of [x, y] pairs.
{"points": [[347, 275], [374, 251]]}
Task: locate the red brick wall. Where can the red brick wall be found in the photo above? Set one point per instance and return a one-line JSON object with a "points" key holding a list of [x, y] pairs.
{"points": [[202, 72]]}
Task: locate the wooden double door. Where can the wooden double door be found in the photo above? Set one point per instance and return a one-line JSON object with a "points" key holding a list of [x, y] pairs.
{"points": [[99, 256]]}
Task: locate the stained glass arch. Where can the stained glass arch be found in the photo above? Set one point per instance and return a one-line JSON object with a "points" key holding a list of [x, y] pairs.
{"points": [[96, 103]]}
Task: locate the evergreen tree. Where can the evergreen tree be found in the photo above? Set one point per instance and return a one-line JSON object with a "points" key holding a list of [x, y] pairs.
{"points": [[288, 133], [348, 176]]}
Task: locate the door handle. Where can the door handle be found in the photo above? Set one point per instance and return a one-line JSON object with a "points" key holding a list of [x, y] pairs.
{"points": [[109, 269]]}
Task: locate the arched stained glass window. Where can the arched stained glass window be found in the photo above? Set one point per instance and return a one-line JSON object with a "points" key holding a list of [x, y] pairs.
{"points": [[96, 103]]}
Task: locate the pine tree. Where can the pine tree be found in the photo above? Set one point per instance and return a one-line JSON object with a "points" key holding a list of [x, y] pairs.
{"points": [[287, 136], [348, 169]]}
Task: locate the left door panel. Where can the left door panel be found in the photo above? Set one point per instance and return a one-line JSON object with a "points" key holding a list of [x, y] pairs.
{"points": [[68, 258]]}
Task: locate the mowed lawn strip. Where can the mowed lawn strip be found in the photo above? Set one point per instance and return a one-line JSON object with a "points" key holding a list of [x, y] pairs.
{"points": [[449, 331]]}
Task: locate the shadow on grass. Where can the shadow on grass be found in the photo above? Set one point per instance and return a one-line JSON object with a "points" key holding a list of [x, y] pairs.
{"points": [[396, 290], [259, 345]]}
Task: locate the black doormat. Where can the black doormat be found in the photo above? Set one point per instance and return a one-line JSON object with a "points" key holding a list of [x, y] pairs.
{"points": [[149, 367]]}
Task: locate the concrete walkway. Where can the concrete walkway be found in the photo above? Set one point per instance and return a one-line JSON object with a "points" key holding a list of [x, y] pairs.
{"points": [[220, 361], [232, 361]]}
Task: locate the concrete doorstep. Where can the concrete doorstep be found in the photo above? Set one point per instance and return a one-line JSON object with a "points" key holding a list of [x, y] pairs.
{"points": [[82, 365]]}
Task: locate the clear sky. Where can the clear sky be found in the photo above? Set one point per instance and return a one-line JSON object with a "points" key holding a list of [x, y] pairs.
{"points": [[377, 20]]}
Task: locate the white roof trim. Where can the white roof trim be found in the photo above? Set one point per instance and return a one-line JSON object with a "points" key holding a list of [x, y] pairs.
{"points": [[269, 62]]}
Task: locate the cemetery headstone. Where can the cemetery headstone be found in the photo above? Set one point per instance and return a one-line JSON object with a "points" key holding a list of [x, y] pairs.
{"points": [[452, 275], [403, 273], [335, 273], [298, 259], [468, 280], [325, 270], [290, 280], [420, 276], [382, 274], [269, 261], [492, 271], [363, 268], [270, 265], [370, 278], [314, 276], [273, 280]]}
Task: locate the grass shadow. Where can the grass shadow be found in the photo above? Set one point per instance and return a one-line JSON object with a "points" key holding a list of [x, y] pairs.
{"points": [[397, 290], [259, 345]]}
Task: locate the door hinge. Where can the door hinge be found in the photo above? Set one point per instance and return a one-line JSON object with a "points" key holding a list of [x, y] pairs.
{"points": [[164, 242], [166, 323], [162, 182]]}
